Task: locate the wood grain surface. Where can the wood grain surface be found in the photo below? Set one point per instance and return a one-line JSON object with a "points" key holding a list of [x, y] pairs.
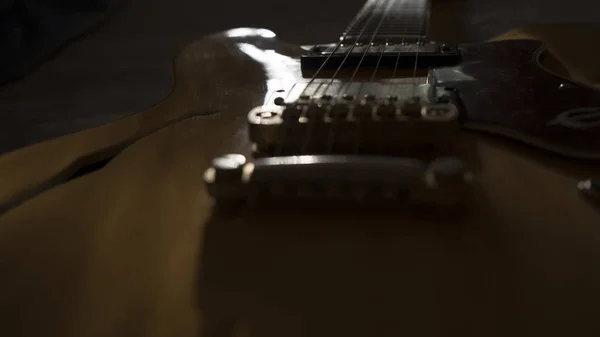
{"points": [[136, 249]]}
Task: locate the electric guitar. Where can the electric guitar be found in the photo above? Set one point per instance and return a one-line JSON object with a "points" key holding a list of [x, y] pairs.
{"points": [[383, 184]]}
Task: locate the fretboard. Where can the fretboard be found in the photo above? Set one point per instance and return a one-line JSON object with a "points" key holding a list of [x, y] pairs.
{"points": [[390, 20]]}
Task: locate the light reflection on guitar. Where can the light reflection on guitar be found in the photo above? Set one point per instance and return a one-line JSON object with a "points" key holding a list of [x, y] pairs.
{"points": [[136, 246]]}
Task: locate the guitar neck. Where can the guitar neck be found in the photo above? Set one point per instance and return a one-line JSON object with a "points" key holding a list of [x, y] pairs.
{"points": [[389, 21]]}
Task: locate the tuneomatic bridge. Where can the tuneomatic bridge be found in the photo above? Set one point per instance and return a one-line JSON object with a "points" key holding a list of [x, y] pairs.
{"points": [[369, 120]]}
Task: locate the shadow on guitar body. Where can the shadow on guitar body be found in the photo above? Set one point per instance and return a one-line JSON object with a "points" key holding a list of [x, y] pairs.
{"points": [[356, 271]]}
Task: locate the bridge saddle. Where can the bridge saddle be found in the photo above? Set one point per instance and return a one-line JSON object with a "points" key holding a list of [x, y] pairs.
{"points": [[345, 125]]}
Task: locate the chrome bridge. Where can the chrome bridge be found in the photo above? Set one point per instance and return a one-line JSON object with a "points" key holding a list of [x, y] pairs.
{"points": [[441, 181], [348, 134], [355, 131], [350, 146], [326, 125]]}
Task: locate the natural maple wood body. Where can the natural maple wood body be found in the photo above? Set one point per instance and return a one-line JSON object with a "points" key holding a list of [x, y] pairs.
{"points": [[135, 249]]}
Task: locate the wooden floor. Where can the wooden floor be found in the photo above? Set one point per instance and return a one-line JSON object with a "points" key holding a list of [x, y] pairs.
{"points": [[125, 66]]}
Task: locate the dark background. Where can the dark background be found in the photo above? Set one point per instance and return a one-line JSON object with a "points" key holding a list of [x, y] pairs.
{"points": [[124, 66]]}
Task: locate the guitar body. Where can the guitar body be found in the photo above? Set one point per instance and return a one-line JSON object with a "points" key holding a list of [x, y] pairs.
{"points": [[137, 248]]}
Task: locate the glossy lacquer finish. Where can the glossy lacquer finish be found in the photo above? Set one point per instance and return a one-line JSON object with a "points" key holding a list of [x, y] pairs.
{"points": [[137, 248], [505, 90]]}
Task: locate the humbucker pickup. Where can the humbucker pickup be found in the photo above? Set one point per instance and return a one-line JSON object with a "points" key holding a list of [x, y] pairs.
{"points": [[442, 181], [382, 56]]}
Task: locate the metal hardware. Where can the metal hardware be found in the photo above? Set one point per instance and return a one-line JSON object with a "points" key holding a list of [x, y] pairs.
{"points": [[443, 181], [381, 55], [590, 188], [341, 125]]}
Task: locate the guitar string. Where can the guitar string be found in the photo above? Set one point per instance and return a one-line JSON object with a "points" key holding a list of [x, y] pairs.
{"points": [[424, 7], [379, 59], [368, 21], [386, 12], [374, 113], [373, 75], [331, 133], [280, 144], [360, 88], [421, 24], [405, 7], [339, 44], [336, 48], [311, 119], [394, 73], [360, 35]]}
